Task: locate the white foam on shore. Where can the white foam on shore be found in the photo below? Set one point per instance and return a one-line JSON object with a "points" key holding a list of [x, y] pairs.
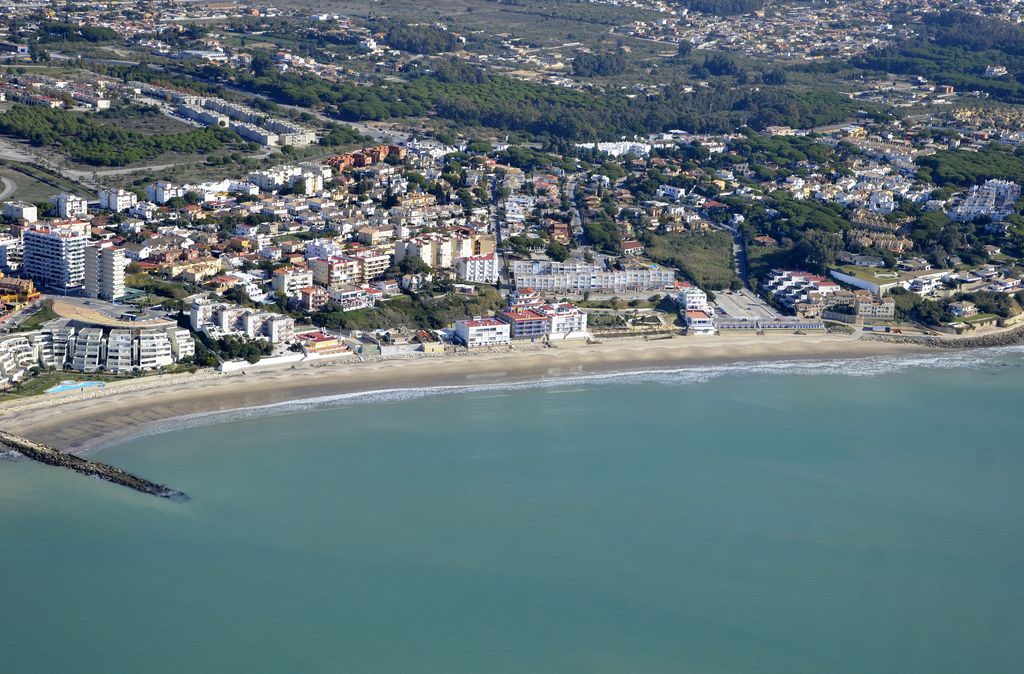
{"points": [[850, 367]]}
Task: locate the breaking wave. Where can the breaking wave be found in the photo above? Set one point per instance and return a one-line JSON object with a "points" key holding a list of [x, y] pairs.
{"points": [[685, 376]]}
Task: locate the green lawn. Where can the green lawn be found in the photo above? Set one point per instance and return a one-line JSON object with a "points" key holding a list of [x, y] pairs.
{"points": [[35, 185], [979, 318], [38, 385], [38, 319]]}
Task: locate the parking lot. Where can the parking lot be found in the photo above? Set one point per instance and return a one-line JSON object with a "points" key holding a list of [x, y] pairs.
{"points": [[743, 304]]}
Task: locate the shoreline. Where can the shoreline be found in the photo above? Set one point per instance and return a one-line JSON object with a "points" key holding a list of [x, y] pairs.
{"points": [[82, 422]]}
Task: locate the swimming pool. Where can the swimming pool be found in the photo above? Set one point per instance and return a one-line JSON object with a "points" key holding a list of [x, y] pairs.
{"points": [[71, 385]]}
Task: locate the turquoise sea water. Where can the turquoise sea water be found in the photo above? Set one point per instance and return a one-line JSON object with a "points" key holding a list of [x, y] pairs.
{"points": [[836, 517]]}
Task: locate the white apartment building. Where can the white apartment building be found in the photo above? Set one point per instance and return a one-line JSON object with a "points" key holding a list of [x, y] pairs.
{"points": [[18, 355], [790, 288], [55, 344], [120, 356], [220, 319], [90, 350], [437, 251], [104, 272], [70, 206], [699, 322], [372, 264], [54, 257], [565, 321], [335, 271], [289, 281], [11, 249], [154, 349], [580, 277], [19, 210], [183, 344], [478, 268], [479, 332], [117, 200], [693, 299], [162, 191], [322, 248]]}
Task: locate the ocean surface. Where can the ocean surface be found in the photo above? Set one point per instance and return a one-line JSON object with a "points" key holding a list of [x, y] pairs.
{"points": [[859, 516]]}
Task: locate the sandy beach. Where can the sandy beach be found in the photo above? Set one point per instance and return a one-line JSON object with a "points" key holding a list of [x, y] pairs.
{"points": [[82, 421]]}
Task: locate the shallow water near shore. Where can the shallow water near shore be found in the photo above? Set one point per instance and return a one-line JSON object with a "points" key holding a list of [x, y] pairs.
{"points": [[751, 519]]}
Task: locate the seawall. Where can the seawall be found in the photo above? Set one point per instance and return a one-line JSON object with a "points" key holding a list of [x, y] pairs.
{"points": [[1011, 337], [55, 457]]}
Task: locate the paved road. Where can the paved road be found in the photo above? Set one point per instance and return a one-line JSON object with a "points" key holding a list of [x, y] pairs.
{"points": [[9, 187]]}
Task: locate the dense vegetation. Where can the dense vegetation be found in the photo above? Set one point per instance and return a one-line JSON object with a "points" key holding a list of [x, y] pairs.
{"points": [[605, 64], [88, 140], [416, 38], [67, 32], [705, 258], [724, 7], [954, 48], [471, 97], [417, 312], [230, 348], [963, 169]]}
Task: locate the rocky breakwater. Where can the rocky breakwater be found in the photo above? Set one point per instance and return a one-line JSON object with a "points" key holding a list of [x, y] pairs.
{"points": [[1010, 337], [55, 457]]}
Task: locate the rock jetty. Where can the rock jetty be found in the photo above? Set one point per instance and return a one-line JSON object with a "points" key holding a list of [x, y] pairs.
{"points": [[55, 457], [1011, 337]]}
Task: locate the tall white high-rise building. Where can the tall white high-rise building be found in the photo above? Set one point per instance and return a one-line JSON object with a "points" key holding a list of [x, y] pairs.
{"points": [[104, 272], [54, 257]]}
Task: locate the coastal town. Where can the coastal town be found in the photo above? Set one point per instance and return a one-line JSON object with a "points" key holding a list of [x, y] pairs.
{"points": [[284, 286], [304, 240]]}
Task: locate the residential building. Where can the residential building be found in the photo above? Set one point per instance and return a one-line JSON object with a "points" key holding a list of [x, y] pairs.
{"points": [[336, 271], [117, 200], [20, 211], [526, 324], [790, 288], [11, 248], [183, 344], [875, 308], [154, 349], [699, 322], [580, 277], [70, 206], [90, 350], [120, 351], [478, 268], [482, 332], [290, 280], [54, 257], [18, 355], [693, 298], [104, 272], [565, 321], [220, 319], [962, 309]]}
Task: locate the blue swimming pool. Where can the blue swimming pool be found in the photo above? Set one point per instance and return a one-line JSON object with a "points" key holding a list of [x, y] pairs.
{"points": [[74, 386]]}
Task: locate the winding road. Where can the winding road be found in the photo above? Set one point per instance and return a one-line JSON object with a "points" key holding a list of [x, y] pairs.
{"points": [[9, 187]]}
